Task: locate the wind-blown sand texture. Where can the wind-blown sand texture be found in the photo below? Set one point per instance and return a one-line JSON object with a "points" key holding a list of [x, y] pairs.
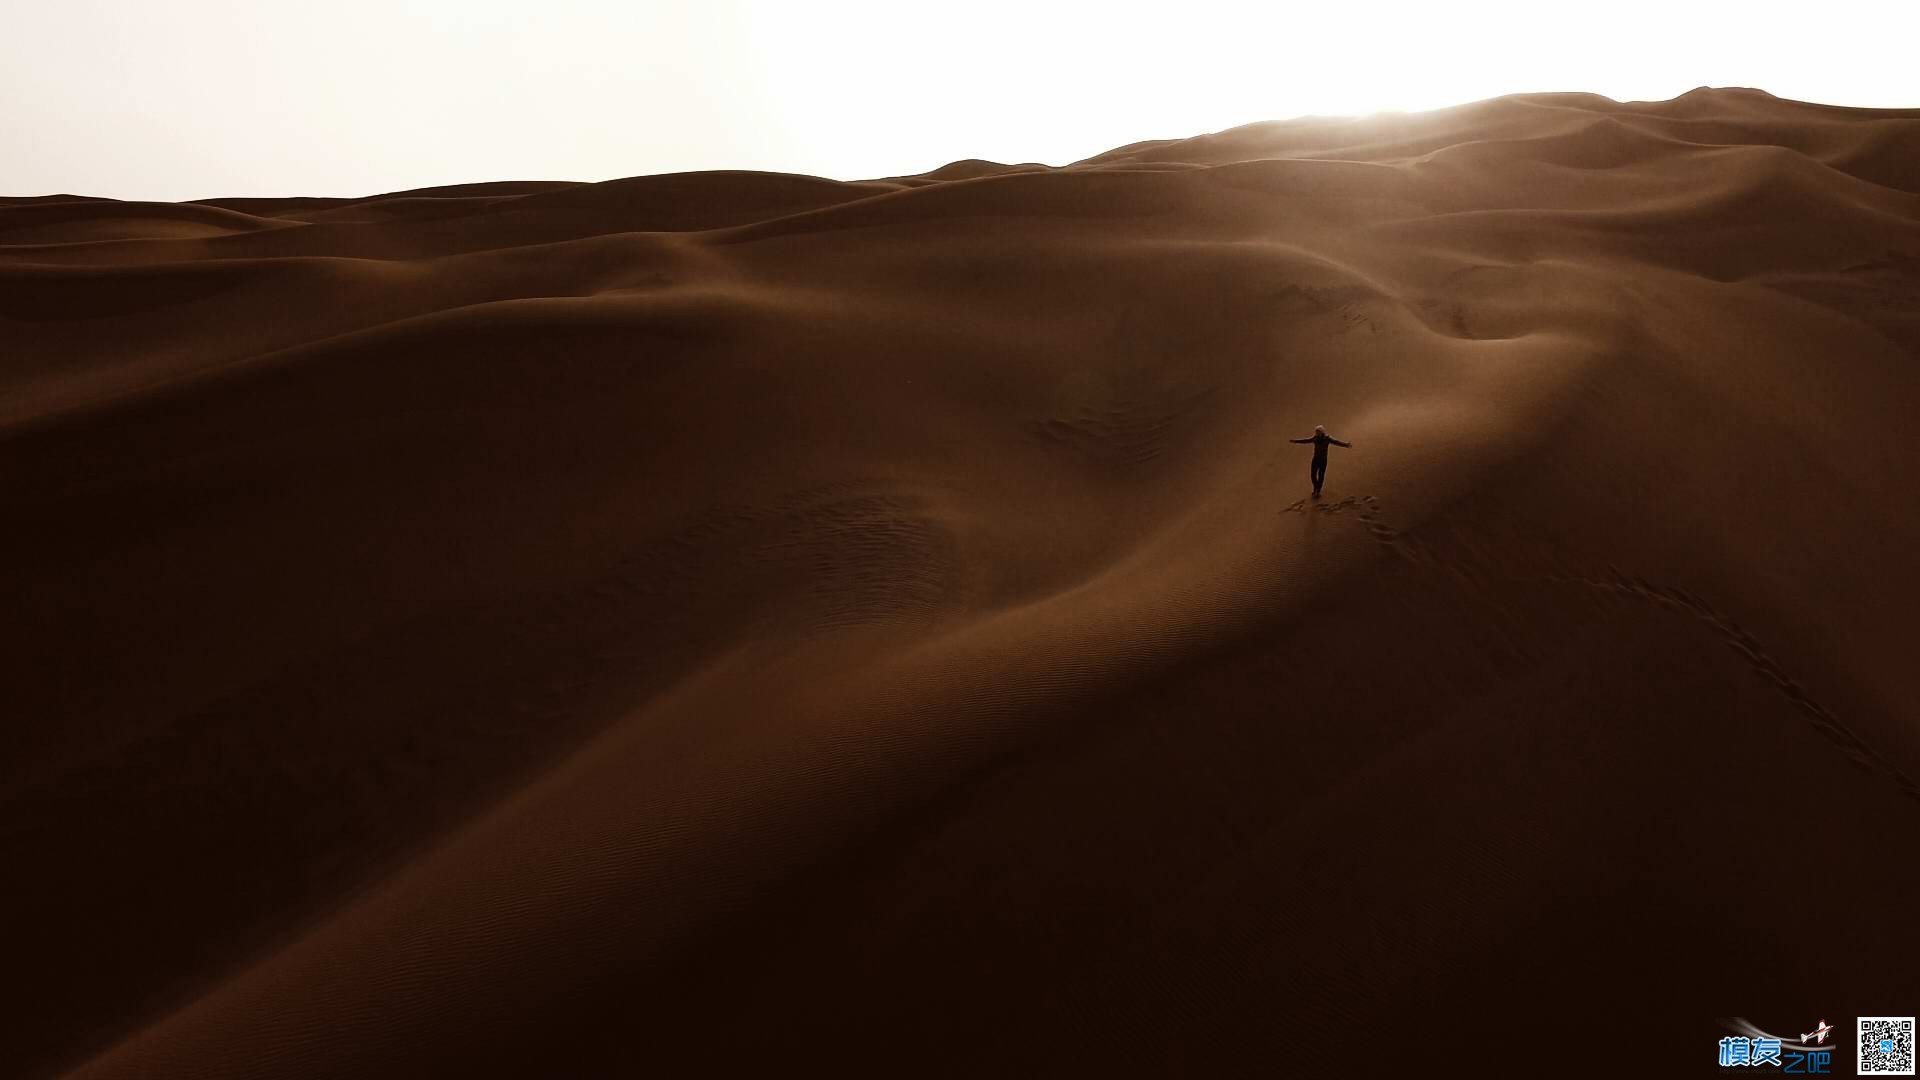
{"points": [[728, 622]]}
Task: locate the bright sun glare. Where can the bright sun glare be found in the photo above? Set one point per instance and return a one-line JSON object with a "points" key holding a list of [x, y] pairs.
{"points": [[209, 97]]}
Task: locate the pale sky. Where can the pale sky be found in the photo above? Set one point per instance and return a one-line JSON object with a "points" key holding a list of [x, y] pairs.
{"points": [[184, 99]]}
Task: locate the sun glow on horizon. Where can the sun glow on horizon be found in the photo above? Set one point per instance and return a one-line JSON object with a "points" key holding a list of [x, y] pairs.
{"points": [[217, 97]]}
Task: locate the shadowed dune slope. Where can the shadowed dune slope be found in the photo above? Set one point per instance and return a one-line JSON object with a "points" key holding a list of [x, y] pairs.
{"points": [[701, 623]]}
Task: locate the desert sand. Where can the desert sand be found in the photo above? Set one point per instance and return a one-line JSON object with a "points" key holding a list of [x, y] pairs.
{"points": [[730, 622]]}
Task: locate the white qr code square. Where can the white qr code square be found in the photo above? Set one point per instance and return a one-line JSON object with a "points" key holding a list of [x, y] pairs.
{"points": [[1886, 1046]]}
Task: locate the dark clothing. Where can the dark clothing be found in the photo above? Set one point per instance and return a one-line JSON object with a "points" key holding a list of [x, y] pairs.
{"points": [[1320, 440]]}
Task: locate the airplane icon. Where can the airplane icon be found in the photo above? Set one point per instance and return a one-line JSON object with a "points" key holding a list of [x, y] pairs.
{"points": [[1818, 1034]]}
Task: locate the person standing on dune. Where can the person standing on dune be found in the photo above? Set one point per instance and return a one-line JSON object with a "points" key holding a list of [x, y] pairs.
{"points": [[1320, 440]]}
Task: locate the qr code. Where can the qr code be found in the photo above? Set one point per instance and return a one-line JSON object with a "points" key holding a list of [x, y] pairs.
{"points": [[1886, 1046]]}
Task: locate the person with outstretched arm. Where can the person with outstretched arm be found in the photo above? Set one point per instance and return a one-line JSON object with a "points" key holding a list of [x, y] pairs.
{"points": [[1320, 440]]}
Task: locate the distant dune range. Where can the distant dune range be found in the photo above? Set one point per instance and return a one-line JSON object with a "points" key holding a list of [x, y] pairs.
{"points": [[743, 623]]}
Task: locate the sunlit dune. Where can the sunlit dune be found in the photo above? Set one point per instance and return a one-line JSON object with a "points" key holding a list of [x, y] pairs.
{"points": [[722, 623]]}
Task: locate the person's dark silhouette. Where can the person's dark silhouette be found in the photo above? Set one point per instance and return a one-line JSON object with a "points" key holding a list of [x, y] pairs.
{"points": [[1320, 440]]}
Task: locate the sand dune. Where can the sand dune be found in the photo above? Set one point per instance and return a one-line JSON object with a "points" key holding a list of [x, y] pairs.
{"points": [[729, 621]]}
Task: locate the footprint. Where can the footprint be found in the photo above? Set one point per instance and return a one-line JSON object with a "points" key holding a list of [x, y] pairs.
{"points": [[1757, 658]]}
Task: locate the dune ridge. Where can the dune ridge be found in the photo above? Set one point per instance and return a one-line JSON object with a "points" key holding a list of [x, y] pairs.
{"points": [[705, 622]]}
